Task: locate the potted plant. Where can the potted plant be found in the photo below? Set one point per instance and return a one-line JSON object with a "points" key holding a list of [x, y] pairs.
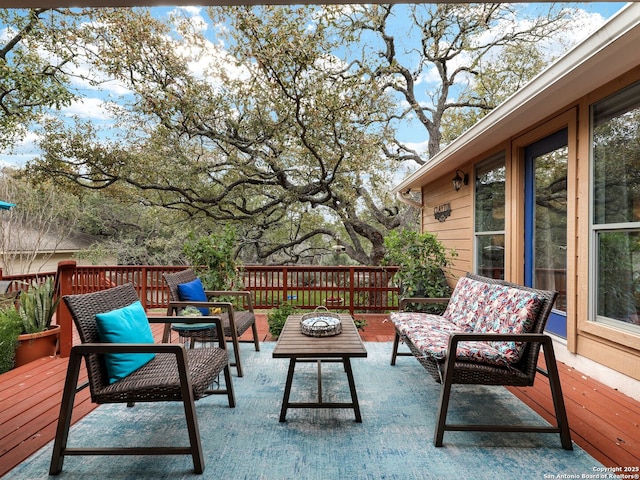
{"points": [[37, 306], [10, 328]]}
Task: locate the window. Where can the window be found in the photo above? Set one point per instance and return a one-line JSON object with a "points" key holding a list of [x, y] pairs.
{"points": [[615, 218], [489, 217]]}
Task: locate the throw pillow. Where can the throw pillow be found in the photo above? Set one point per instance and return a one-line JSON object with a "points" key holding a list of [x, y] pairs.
{"points": [[466, 303], [193, 291], [509, 310], [125, 325]]}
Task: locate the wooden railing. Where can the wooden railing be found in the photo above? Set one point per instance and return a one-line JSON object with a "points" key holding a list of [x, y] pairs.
{"points": [[349, 288], [22, 282], [306, 286]]}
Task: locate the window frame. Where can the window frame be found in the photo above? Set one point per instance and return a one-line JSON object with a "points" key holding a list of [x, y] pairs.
{"points": [[596, 229], [497, 160]]}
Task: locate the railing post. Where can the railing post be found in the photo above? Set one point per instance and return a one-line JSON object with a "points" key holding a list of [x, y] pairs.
{"points": [[143, 288], [63, 316], [351, 290], [285, 285]]}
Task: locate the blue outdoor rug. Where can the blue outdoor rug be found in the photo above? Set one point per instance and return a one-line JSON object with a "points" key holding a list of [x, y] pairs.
{"points": [[394, 440]]}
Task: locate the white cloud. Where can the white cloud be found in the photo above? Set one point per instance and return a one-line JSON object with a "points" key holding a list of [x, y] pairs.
{"points": [[21, 152], [88, 108], [583, 24]]}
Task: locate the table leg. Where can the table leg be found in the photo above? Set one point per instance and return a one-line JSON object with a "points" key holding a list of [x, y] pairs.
{"points": [[320, 381], [287, 390], [352, 387]]}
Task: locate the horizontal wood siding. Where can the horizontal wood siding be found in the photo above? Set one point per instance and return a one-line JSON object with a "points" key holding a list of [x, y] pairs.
{"points": [[456, 232]]}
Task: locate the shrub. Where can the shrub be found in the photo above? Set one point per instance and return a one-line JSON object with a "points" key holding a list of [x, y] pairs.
{"points": [[214, 261], [422, 260], [10, 328], [278, 316]]}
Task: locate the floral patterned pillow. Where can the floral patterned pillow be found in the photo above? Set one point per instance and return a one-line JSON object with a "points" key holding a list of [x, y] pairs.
{"points": [[430, 334], [414, 324], [509, 310], [467, 303]]}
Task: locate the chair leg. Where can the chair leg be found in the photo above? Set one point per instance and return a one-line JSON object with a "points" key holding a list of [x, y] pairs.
{"points": [[556, 395], [236, 343], [445, 394], [396, 343], [236, 355], [66, 410], [194, 435], [166, 333], [256, 339], [190, 415], [229, 386], [443, 406]]}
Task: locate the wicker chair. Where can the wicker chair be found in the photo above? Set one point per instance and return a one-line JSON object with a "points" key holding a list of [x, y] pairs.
{"points": [[522, 374], [234, 322], [175, 374]]}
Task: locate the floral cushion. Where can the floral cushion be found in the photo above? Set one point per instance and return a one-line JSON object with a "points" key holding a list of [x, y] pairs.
{"points": [[467, 303], [474, 307], [508, 310], [430, 334], [407, 323]]}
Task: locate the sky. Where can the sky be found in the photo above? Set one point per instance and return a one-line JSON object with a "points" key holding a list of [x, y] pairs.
{"points": [[91, 105]]}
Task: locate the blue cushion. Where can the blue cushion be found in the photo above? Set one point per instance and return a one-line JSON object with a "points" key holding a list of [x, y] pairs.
{"points": [[125, 325], [193, 291]]}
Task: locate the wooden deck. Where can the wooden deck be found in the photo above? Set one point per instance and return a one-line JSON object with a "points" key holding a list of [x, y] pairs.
{"points": [[603, 422]]}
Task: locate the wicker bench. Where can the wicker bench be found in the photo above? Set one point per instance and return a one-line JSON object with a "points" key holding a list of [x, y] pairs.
{"points": [[496, 329]]}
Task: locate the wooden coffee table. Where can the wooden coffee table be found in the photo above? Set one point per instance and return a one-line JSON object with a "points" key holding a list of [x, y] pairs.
{"points": [[298, 347]]}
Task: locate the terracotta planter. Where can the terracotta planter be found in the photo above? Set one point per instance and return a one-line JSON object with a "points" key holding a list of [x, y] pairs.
{"points": [[32, 346]]}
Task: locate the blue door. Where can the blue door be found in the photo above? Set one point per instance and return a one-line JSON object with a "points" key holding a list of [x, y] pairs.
{"points": [[546, 222]]}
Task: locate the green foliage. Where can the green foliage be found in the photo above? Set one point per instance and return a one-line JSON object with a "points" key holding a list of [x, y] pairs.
{"points": [[278, 316], [360, 323], [498, 77], [37, 306], [310, 124], [190, 311], [10, 328], [32, 61], [421, 258], [213, 259]]}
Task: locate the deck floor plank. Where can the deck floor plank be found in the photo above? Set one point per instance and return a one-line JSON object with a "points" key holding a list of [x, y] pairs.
{"points": [[603, 421]]}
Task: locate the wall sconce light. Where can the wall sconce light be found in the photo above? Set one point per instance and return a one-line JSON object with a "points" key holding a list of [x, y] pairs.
{"points": [[458, 180]]}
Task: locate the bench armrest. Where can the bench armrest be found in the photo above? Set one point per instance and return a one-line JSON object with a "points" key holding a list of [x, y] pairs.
{"points": [[245, 294], [229, 293], [456, 338], [102, 348]]}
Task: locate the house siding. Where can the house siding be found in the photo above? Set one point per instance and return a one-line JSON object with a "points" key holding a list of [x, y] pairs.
{"points": [[609, 346]]}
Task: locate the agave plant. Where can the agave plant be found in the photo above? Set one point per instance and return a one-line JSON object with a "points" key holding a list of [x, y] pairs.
{"points": [[37, 306]]}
